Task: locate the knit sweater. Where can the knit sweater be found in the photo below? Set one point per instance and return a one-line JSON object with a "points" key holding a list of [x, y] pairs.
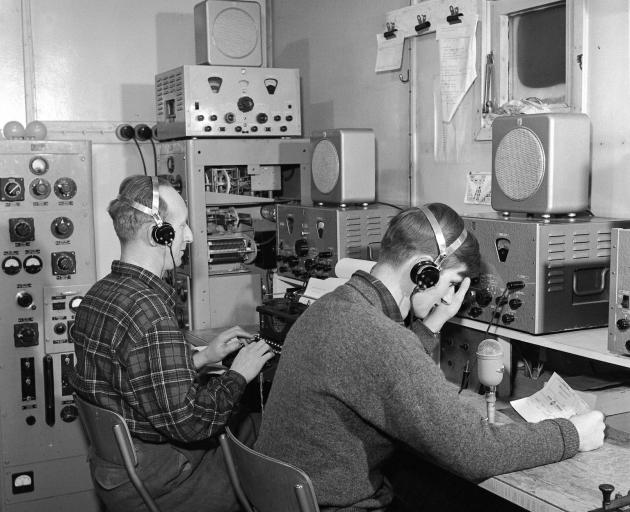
{"points": [[352, 385]]}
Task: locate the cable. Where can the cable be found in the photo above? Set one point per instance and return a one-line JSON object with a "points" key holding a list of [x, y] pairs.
{"points": [[170, 250], [390, 204], [144, 165], [154, 157]]}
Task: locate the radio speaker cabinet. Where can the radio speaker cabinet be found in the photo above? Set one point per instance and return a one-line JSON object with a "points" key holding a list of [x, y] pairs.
{"points": [[541, 163], [231, 33], [343, 166]]}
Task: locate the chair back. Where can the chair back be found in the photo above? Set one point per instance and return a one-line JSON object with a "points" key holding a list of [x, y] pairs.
{"points": [[110, 439], [265, 484], [100, 426]]}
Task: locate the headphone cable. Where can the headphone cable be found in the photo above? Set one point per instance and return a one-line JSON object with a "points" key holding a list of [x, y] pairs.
{"points": [[144, 165], [155, 166], [172, 273]]}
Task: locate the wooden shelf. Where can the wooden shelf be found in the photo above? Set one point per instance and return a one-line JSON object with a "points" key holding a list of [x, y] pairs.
{"points": [[589, 343]]}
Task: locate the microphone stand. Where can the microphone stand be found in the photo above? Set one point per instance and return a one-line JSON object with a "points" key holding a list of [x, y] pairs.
{"points": [[491, 398]]}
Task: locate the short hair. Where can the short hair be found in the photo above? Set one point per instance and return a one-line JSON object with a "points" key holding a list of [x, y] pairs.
{"points": [[410, 234], [127, 220]]}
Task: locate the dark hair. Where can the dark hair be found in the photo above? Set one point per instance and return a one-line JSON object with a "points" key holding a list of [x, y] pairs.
{"points": [[410, 234], [127, 220]]}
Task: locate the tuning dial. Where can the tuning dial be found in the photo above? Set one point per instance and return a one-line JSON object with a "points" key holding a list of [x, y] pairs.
{"points": [[62, 227], [623, 324], [24, 300], [65, 188], [245, 104], [40, 188], [301, 247]]}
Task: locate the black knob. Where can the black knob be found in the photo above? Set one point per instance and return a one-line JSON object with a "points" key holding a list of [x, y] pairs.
{"points": [[623, 324], [289, 118], [262, 118], [277, 118], [254, 129], [238, 129], [207, 128], [245, 104], [13, 189], [59, 328], [325, 254], [229, 117], [475, 311], [24, 299], [483, 298], [213, 117], [607, 491], [23, 229], [508, 318], [515, 303], [69, 413], [30, 420], [200, 117], [283, 128], [26, 336]]}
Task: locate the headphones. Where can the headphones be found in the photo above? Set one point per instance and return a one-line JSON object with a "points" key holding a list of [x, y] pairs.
{"points": [[426, 273], [162, 233]]}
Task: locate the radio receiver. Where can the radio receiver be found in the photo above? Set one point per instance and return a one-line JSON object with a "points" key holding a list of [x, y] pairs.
{"points": [[343, 168], [541, 163]]}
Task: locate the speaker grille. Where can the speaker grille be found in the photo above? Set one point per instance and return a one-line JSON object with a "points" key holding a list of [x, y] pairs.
{"points": [[325, 166], [235, 33], [519, 164]]}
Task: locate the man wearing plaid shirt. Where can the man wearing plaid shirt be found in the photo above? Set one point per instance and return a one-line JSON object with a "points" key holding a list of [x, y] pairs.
{"points": [[132, 358]]}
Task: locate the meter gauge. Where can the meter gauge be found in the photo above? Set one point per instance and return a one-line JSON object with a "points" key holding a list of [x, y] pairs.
{"points": [[38, 165]]}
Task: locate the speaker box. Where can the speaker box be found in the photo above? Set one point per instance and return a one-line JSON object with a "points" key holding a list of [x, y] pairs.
{"points": [[231, 33], [343, 166], [541, 163]]}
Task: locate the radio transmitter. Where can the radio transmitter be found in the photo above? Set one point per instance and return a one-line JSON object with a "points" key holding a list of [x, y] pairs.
{"points": [[311, 239], [227, 101], [619, 310], [542, 275]]}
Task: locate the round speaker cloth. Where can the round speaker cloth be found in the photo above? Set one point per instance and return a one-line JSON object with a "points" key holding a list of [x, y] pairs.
{"points": [[325, 166], [235, 33], [519, 164]]}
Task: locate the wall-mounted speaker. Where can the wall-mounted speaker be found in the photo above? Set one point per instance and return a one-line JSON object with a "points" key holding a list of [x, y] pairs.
{"points": [[541, 163], [343, 166], [231, 33]]}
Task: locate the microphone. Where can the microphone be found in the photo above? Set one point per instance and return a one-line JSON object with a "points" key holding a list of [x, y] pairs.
{"points": [[490, 371]]}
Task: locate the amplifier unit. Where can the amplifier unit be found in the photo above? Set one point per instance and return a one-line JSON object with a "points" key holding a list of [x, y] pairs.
{"points": [[542, 276], [541, 163], [227, 101], [311, 239], [619, 311]]}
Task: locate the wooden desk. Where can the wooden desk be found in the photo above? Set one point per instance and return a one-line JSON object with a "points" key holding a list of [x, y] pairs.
{"points": [[570, 485]]}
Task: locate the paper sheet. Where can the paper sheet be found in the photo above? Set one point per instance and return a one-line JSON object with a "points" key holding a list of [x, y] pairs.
{"points": [[389, 53], [458, 54], [316, 287], [556, 400]]}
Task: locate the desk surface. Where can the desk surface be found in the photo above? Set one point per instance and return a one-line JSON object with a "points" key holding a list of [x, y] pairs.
{"points": [[570, 485], [589, 343]]}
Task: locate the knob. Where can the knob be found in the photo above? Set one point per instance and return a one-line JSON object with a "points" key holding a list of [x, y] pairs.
{"points": [[507, 318], [30, 420], [245, 104], [62, 227], [40, 188], [69, 413], [289, 118], [262, 118], [475, 311], [229, 117], [515, 303], [238, 129], [483, 298], [200, 117], [623, 324], [65, 188], [301, 247], [13, 189], [325, 254], [207, 128], [24, 299], [277, 118], [26, 336], [607, 491], [64, 263], [59, 328], [23, 229], [213, 117], [254, 129], [283, 128]]}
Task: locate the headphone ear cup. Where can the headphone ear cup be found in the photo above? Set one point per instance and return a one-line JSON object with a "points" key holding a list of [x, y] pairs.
{"points": [[164, 234], [425, 274]]}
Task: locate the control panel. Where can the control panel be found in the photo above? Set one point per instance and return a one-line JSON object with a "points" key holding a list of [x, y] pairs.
{"points": [[47, 264], [619, 310], [228, 101], [311, 239], [541, 275]]}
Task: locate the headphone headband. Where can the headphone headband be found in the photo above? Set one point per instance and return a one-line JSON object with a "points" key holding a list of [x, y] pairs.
{"points": [[154, 211], [444, 251]]}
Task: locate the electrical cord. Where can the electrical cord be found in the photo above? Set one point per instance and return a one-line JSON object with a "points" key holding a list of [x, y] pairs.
{"points": [[144, 165], [155, 166]]}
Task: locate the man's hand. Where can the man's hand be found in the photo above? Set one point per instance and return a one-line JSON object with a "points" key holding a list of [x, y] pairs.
{"points": [[590, 427], [251, 358], [443, 312], [225, 343]]}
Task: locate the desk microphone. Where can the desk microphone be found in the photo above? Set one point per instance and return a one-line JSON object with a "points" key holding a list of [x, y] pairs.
{"points": [[490, 371]]}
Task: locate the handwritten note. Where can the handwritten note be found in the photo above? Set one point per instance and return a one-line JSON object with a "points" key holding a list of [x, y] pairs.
{"points": [[556, 400], [388, 53]]}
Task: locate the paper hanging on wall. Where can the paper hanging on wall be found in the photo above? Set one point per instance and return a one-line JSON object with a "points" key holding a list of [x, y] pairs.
{"points": [[389, 53], [458, 55], [478, 188]]}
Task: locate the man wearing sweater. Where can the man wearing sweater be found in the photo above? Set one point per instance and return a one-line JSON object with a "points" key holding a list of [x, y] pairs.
{"points": [[356, 381]]}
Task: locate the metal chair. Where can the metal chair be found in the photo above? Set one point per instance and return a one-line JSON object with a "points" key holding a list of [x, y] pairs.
{"points": [[265, 484], [109, 437]]}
